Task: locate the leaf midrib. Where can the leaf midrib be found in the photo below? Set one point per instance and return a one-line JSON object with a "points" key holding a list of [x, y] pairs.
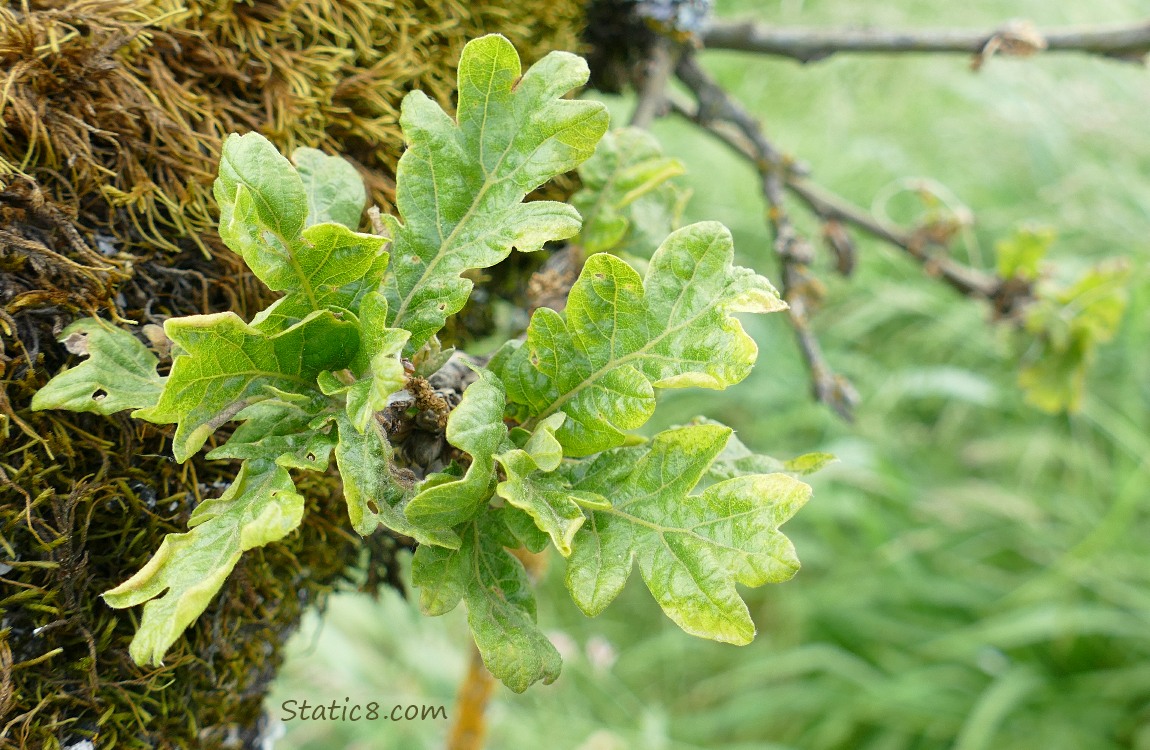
{"points": [[447, 245], [276, 230]]}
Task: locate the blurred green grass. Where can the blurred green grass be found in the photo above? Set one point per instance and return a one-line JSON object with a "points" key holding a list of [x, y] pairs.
{"points": [[975, 572]]}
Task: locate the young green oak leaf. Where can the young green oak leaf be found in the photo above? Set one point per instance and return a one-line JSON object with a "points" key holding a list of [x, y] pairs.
{"points": [[373, 493], [476, 426], [1020, 256], [500, 603], [228, 364], [279, 431], [547, 498], [376, 368], [1066, 326], [334, 188], [691, 549], [626, 199], [267, 215], [461, 183], [622, 336], [120, 372], [178, 583]]}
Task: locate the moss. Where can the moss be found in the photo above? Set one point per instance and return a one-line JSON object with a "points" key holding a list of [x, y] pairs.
{"points": [[118, 107], [113, 115]]}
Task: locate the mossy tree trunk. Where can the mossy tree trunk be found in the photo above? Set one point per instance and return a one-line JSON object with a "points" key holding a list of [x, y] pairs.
{"points": [[112, 126]]}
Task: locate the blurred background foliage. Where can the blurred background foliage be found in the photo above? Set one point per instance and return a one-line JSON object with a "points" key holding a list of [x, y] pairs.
{"points": [[975, 571]]}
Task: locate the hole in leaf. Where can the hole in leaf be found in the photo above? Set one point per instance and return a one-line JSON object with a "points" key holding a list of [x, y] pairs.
{"points": [[77, 343], [442, 306], [99, 395], [372, 506], [311, 457], [600, 276]]}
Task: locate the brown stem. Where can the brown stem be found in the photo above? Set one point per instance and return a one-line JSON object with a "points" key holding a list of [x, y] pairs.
{"points": [[652, 92], [1129, 41], [469, 730], [826, 205], [800, 289], [749, 141]]}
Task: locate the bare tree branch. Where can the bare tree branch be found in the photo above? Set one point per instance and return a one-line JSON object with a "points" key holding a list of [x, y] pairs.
{"points": [[653, 89], [800, 289], [746, 137], [1122, 41], [918, 243], [719, 114]]}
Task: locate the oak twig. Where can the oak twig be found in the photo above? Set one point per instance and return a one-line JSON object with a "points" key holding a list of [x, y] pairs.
{"points": [[725, 118], [920, 243], [652, 91], [799, 287], [1129, 41], [469, 730]]}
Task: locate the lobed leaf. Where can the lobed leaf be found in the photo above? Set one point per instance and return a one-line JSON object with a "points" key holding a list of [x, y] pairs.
{"points": [[373, 492], [691, 549], [334, 188], [228, 364], [500, 603], [267, 210], [178, 583], [546, 498], [461, 183], [376, 364], [279, 431], [119, 373], [622, 336]]}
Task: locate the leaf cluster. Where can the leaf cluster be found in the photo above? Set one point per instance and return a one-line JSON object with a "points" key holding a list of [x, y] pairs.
{"points": [[1064, 325], [543, 434]]}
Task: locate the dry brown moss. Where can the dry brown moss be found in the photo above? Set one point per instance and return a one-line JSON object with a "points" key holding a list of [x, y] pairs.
{"points": [[122, 104], [113, 113]]}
